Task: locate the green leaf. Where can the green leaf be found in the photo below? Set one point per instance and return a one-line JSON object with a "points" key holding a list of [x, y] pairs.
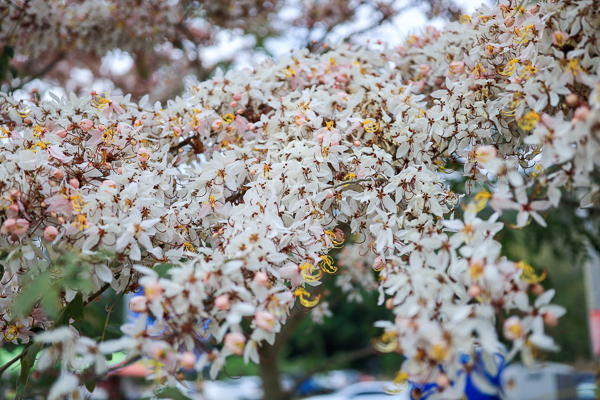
{"points": [[162, 269], [9, 52], [25, 369], [76, 307], [91, 385]]}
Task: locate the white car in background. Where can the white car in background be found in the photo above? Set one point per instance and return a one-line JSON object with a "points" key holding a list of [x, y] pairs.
{"points": [[372, 390]]}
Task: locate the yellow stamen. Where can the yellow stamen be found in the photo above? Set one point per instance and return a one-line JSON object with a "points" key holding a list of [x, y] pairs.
{"points": [[228, 118], [304, 298], [528, 274], [326, 264], [370, 126], [528, 121]]}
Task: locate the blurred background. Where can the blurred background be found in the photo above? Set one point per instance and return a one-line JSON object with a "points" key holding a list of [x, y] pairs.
{"points": [[317, 352]]}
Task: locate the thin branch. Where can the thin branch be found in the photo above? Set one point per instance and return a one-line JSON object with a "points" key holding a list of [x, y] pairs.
{"points": [[14, 360], [345, 183]]}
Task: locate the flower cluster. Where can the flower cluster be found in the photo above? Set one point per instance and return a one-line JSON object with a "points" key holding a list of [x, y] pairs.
{"points": [[245, 185]]}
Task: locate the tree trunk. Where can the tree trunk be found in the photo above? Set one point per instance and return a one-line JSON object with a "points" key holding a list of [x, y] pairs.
{"points": [[269, 359], [269, 372]]}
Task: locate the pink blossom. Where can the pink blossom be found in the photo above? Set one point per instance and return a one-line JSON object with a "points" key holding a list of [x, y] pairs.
{"points": [[559, 38], [188, 359], [456, 67], [153, 290], [58, 174], [50, 233], [235, 343], [265, 320], [142, 154], [222, 302], [86, 124], [138, 304], [261, 279]]}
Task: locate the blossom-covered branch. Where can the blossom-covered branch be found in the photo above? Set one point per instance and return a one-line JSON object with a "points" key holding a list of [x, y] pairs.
{"points": [[246, 214]]}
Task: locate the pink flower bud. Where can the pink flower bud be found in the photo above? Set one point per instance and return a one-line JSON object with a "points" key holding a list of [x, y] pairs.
{"points": [[550, 320], [581, 113], [572, 100], [310, 76], [424, 68], [456, 67], [261, 279], [474, 291], [237, 96], [240, 111], [357, 143], [142, 154], [559, 38], [14, 207], [265, 320], [50, 233], [535, 9], [62, 133], [389, 303], [86, 124], [138, 304], [120, 170], [234, 104], [58, 174], [222, 302], [252, 172], [320, 137], [235, 343], [153, 290], [537, 289], [335, 143], [377, 263], [509, 21], [188, 359], [442, 381], [74, 182], [101, 127], [109, 183], [329, 193], [216, 125]]}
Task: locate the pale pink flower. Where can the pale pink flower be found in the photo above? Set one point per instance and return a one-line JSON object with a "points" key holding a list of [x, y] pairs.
{"points": [[261, 279], [86, 124], [138, 304], [456, 67], [265, 320], [559, 38], [188, 359], [50, 233], [235, 343], [222, 302], [142, 154], [153, 290]]}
